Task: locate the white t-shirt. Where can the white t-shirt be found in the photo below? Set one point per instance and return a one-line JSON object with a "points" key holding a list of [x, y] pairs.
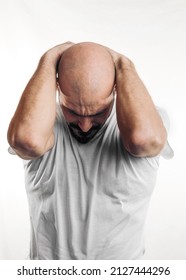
{"points": [[89, 201]]}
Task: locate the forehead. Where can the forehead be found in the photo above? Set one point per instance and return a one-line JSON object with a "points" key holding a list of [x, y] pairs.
{"points": [[86, 105]]}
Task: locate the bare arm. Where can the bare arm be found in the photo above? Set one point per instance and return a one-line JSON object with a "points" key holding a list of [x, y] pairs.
{"points": [[30, 131], [141, 127]]}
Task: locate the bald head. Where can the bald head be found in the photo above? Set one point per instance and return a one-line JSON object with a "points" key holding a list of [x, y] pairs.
{"points": [[86, 69]]}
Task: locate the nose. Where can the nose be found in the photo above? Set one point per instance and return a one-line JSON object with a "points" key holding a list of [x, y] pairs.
{"points": [[85, 124]]}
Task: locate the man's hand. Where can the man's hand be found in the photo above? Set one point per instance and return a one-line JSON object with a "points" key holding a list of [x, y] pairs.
{"points": [[56, 52], [115, 55], [119, 59]]}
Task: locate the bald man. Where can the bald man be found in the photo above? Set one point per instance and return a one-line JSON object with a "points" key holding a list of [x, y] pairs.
{"points": [[91, 158]]}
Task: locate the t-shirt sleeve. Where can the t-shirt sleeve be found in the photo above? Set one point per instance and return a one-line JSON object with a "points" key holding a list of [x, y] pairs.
{"points": [[11, 151], [167, 151]]}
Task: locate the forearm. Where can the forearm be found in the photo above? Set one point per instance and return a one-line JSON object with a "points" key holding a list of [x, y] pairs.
{"points": [[32, 125], [141, 127]]}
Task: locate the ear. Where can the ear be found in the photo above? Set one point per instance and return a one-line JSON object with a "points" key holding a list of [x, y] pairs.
{"points": [[57, 83], [115, 90]]}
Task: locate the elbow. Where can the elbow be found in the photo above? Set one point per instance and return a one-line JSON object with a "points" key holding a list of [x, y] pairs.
{"points": [[26, 147], [143, 145]]}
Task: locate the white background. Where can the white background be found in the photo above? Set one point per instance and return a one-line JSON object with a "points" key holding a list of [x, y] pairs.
{"points": [[152, 33]]}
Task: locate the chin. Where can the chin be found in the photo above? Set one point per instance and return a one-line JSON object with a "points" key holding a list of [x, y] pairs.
{"points": [[82, 140]]}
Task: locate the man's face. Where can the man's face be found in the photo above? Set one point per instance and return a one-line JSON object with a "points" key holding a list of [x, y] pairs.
{"points": [[85, 117]]}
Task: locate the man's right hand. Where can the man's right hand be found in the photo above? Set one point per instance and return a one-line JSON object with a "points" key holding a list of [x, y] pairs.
{"points": [[30, 131], [56, 52]]}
